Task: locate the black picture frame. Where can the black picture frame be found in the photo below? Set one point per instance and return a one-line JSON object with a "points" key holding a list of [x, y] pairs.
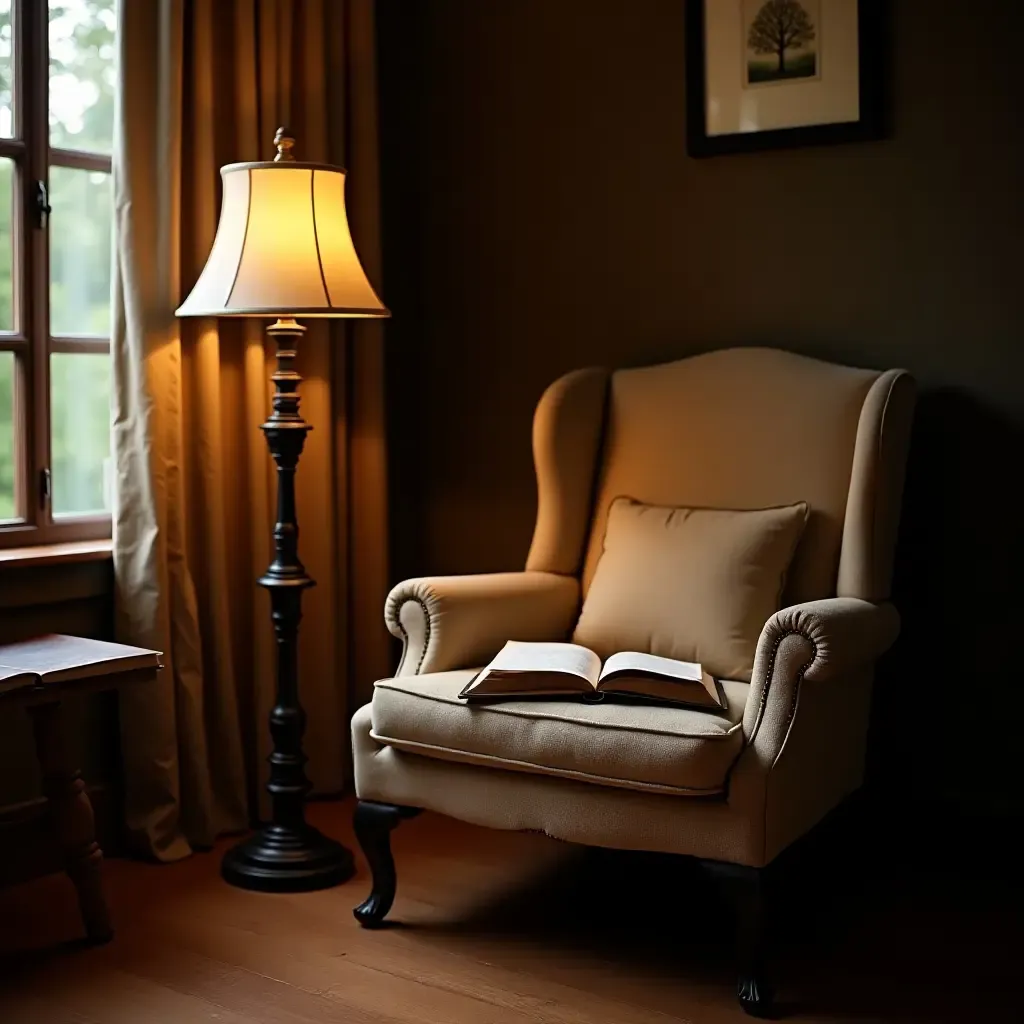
{"points": [[872, 63]]}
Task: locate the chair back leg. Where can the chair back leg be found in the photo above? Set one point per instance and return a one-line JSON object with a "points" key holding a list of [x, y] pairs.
{"points": [[744, 887]]}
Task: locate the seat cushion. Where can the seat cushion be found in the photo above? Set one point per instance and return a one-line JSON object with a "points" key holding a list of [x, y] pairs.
{"points": [[632, 746]]}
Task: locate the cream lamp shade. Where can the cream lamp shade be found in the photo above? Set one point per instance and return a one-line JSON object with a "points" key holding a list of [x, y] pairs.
{"points": [[283, 247]]}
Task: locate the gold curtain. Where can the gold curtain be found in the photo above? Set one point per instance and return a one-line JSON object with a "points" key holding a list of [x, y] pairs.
{"points": [[204, 83]]}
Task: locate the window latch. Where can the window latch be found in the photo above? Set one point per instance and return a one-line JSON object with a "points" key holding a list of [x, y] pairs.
{"points": [[45, 488], [42, 205]]}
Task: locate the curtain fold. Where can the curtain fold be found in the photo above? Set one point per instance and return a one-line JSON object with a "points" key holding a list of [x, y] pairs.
{"points": [[204, 83]]}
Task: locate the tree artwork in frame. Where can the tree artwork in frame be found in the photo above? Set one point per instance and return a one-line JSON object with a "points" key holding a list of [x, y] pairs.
{"points": [[764, 74]]}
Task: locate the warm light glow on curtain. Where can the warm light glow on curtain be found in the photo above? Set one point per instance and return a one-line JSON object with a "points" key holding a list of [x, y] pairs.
{"points": [[206, 82]]}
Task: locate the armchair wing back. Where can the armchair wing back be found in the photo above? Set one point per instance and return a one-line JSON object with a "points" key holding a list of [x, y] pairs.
{"points": [[738, 428]]}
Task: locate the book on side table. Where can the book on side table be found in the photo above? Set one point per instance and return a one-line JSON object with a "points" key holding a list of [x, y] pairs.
{"points": [[524, 670], [64, 659]]}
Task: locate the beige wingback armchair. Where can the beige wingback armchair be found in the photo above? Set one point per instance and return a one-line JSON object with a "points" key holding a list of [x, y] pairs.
{"points": [[743, 428]]}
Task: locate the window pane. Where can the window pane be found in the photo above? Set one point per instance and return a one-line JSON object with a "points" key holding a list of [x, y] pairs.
{"points": [[80, 432], [6, 244], [8, 465], [82, 74], [80, 254], [6, 72]]}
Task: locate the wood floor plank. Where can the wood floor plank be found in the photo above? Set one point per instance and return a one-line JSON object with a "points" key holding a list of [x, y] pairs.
{"points": [[320, 928], [444, 982], [353, 986], [242, 992], [37, 1008], [492, 928], [113, 996], [512, 974]]}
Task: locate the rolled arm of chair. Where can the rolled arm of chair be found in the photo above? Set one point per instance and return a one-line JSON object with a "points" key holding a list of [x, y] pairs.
{"points": [[806, 719], [451, 622], [816, 641]]}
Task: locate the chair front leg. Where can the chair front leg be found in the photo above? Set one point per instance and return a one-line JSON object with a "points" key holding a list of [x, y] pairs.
{"points": [[374, 823]]}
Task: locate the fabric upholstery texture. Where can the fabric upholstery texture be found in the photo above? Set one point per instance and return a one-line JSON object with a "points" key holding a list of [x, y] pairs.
{"points": [[692, 584], [876, 488], [740, 429], [806, 718], [567, 433], [737, 429], [575, 811], [804, 726], [449, 622], [207, 82], [632, 746]]}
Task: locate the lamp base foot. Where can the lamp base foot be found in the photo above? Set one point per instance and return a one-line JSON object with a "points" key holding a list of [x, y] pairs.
{"points": [[282, 859]]}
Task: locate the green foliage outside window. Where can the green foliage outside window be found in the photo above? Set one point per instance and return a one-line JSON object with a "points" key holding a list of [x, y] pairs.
{"points": [[81, 116]]}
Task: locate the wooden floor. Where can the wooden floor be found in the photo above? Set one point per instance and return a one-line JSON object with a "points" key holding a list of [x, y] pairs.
{"points": [[499, 928]]}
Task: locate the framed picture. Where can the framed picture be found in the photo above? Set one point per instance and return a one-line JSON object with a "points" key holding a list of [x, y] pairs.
{"points": [[762, 74]]}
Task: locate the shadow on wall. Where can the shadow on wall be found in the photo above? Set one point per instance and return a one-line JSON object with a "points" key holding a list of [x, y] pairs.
{"points": [[950, 693]]}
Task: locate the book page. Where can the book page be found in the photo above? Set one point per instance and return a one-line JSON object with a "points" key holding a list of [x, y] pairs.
{"points": [[571, 659], [652, 664], [684, 692], [15, 679], [57, 658]]}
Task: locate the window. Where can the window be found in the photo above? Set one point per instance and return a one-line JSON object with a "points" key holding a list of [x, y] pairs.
{"points": [[57, 83]]}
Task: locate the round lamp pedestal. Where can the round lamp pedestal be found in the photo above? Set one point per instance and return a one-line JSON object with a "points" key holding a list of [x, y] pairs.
{"points": [[279, 859]]}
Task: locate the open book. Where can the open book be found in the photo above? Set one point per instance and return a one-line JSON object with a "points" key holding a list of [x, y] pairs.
{"points": [[558, 670], [62, 659]]}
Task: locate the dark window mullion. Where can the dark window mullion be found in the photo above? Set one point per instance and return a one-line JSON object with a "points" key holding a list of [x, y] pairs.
{"points": [[37, 138], [12, 148], [80, 343], [79, 160], [25, 14]]}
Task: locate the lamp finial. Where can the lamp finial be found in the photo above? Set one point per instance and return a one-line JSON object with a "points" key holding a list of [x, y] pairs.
{"points": [[284, 142]]}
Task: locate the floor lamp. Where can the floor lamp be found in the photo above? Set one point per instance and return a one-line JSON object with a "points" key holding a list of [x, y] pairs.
{"points": [[283, 250]]}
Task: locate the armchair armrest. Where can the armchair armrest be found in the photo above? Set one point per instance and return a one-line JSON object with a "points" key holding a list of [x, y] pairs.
{"points": [[805, 743], [816, 641], [450, 622]]}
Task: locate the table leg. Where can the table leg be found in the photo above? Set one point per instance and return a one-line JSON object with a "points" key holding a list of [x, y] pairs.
{"points": [[73, 821]]}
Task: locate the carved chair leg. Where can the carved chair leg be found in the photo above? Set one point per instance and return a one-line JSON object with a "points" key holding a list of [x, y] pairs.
{"points": [[374, 824], [73, 822], [745, 889]]}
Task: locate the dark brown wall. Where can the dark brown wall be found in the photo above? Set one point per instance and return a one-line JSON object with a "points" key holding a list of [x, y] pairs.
{"points": [[541, 214]]}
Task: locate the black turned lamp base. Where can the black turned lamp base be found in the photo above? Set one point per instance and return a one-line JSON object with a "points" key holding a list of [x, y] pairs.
{"points": [[280, 859]]}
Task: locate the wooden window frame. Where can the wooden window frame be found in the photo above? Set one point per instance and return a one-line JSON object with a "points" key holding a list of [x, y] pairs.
{"points": [[31, 341]]}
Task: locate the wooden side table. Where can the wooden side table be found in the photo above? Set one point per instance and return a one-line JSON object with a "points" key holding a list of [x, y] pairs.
{"points": [[68, 805]]}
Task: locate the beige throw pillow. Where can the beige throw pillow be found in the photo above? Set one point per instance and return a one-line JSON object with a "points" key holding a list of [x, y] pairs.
{"points": [[689, 583]]}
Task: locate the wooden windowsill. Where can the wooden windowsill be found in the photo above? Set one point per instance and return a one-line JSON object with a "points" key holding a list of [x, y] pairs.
{"points": [[56, 554]]}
